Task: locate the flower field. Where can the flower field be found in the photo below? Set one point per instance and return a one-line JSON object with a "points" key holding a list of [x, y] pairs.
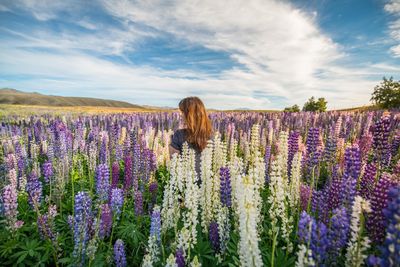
{"points": [[275, 189]]}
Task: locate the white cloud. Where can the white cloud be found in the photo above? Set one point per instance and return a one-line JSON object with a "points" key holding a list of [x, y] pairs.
{"points": [[282, 51], [393, 7]]}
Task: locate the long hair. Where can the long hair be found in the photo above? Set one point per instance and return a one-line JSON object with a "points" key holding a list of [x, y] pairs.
{"points": [[198, 124]]}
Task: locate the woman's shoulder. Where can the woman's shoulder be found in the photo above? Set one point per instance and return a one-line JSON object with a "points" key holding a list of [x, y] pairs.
{"points": [[178, 138]]}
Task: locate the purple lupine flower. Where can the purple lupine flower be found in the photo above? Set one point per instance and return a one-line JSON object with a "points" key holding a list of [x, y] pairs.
{"points": [[368, 181], [136, 165], [102, 182], [115, 174], [128, 174], [352, 170], [319, 204], [138, 203], [293, 148], [180, 258], [119, 253], [315, 235], [305, 194], [319, 243], [103, 151], [334, 194], [155, 224], [225, 188], [312, 141], [305, 227], [380, 143], [46, 227], [148, 164], [267, 158], [10, 205], [47, 170], [82, 222], [391, 247], [117, 201], [338, 231], [214, 236], [330, 149], [34, 190], [379, 201], [105, 221]]}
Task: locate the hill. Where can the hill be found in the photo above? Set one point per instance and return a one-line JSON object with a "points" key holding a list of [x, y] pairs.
{"points": [[15, 97]]}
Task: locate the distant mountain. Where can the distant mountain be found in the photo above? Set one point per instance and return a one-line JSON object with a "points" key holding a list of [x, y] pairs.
{"points": [[15, 97]]}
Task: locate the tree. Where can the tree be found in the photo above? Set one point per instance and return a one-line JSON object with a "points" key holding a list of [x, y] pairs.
{"points": [[313, 105], [294, 108], [387, 94]]}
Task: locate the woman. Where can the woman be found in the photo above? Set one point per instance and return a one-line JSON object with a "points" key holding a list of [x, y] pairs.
{"points": [[197, 129]]}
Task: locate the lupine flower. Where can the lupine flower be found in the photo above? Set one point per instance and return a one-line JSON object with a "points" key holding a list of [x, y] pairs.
{"points": [[103, 155], [34, 190], [305, 196], [214, 236], [330, 149], [293, 148], [117, 201], [352, 170], [180, 258], [320, 243], [128, 174], [338, 231], [368, 181], [267, 159], [46, 227], [115, 174], [334, 193], [102, 182], [119, 253], [105, 221], [154, 239], [391, 248], [47, 170], [10, 206], [381, 132], [155, 224], [379, 201], [82, 222], [225, 186], [358, 243], [138, 203], [305, 227]]}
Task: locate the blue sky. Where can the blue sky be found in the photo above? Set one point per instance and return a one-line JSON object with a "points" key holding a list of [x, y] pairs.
{"points": [[233, 54]]}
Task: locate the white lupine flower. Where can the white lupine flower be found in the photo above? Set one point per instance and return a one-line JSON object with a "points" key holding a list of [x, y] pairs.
{"points": [[170, 207], [171, 261], [278, 201], [283, 153], [358, 244], [294, 186], [249, 251], [206, 187], [304, 257], [223, 227], [188, 234], [152, 253]]}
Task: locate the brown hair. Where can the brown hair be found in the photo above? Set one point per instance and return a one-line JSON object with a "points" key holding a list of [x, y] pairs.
{"points": [[198, 124]]}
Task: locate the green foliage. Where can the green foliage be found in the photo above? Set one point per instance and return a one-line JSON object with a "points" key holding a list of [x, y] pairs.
{"points": [[315, 105], [294, 108], [387, 94]]}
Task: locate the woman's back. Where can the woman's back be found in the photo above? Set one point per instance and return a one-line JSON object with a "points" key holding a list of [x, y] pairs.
{"points": [[179, 137]]}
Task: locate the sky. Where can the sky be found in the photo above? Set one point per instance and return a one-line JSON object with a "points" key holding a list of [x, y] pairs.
{"points": [[256, 54]]}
